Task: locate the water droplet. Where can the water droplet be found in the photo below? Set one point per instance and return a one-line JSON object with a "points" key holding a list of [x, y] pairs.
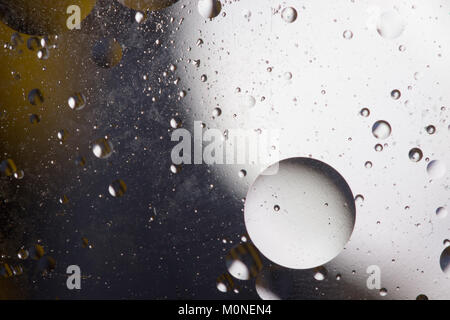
{"points": [[320, 273], [62, 135], [276, 208], [378, 148], [441, 212], [248, 101], [175, 169], [445, 261], [35, 97], [117, 188], [368, 165], [431, 129], [43, 54], [383, 292], [243, 261], [77, 101], [365, 112], [415, 155], [139, 17], [307, 234], [242, 173], [175, 123], [390, 25], [204, 78], [436, 169], [381, 130], [288, 76], [19, 174], [396, 94], [34, 119], [359, 199], [102, 148], [421, 297], [348, 34], [22, 254], [216, 112], [33, 43], [289, 14], [209, 9]]}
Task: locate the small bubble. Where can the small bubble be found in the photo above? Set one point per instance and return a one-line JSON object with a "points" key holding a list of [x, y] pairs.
{"points": [[77, 101], [415, 155], [441, 212], [289, 14], [396, 94], [348, 34], [365, 112], [431, 129], [381, 130], [102, 148], [117, 188], [35, 97]]}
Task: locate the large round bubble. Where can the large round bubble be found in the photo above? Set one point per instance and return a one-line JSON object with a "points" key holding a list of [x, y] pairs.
{"points": [[300, 213]]}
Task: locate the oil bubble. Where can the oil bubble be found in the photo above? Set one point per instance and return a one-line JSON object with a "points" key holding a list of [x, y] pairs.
{"points": [[307, 234]]}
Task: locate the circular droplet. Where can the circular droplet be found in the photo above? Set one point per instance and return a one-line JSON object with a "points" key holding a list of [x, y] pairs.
{"points": [[421, 297], [35, 97], [381, 130], [216, 112], [139, 17], [445, 261], [348, 34], [242, 173], [307, 234], [102, 148], [209, 9], [378, 148], [441, 212], [383, 292], [289, 14], [117, 188], [431, 129], [19, 174], [248, 101], [390, 25], [243, 261], [77, 101], [368, 165], [365, 112], [175, 123], [436, 169], [62, 135], [34, 119], [175, 169], [23, 254], [396, 94], [415, 155], [320, 273]]}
